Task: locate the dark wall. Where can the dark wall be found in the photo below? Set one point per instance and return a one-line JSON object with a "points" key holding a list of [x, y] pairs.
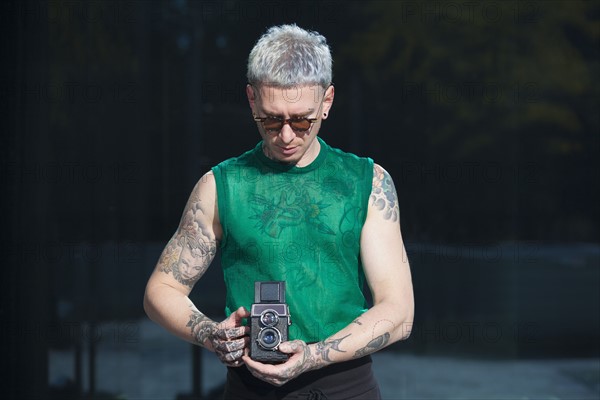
{"points": [[485, 114]]}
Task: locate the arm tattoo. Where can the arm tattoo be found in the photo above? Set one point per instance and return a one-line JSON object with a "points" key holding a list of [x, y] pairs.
{"points": [[383, 194], [324, 347], [189, 253], [374, 345], [201, 326]]}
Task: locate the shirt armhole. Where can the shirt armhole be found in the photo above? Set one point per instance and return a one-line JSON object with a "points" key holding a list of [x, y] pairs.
{"points": [[221, 189]]}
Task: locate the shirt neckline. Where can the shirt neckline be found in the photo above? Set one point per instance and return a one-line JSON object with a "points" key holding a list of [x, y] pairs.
{"points": [[292, 168]]}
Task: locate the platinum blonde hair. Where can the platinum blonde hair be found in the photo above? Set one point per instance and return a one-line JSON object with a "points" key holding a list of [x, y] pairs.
{"points": [[287, 56]]}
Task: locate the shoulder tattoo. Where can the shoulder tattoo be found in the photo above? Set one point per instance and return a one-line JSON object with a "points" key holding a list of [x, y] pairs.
{"points": [[383, 194]]}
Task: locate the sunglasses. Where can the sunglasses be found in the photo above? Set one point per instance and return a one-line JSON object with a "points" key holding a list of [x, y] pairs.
{"points": [[300, 125], [274, 125]]}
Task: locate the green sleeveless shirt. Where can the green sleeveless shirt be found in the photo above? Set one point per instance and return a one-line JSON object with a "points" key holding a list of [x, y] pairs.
{"points": [[299, 225]]}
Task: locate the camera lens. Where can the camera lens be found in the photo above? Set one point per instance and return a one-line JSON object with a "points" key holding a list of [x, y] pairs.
{"points": [[269, 318], [269, 338]]}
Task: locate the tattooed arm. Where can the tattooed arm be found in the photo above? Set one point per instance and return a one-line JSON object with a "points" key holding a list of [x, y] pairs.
{"points": [[182, 263], [388, 275]]}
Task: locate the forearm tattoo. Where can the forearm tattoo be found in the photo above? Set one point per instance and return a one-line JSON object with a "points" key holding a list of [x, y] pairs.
{"points": [[319, 355], [328, 345], [383, 194], [376, 344], [310, 359], [189, 253]]}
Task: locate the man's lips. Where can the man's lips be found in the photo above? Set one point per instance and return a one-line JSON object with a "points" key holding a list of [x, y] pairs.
{"points": [[288, 150]]}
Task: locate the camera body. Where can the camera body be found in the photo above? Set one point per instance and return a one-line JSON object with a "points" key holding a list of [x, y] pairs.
{"points": [[269, 322]]}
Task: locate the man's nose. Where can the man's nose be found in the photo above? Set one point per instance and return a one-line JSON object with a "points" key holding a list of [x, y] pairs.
{"points": [[287, 134]]}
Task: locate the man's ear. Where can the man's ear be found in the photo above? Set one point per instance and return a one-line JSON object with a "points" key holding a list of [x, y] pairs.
{"points": [[251, 96], [328, 101]]}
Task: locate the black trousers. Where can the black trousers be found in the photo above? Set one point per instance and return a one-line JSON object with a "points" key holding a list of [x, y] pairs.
{"points": [[351, 380]]}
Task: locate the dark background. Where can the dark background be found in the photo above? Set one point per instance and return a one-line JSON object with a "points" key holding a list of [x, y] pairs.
{"points": [[484, 113]]}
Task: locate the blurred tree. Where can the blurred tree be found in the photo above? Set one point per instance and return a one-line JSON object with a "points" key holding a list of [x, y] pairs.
{"points": [[508, 88], [493, 105]]}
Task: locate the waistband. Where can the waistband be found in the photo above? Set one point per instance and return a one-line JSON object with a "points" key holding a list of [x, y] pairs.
{"points": [[338, 378]]}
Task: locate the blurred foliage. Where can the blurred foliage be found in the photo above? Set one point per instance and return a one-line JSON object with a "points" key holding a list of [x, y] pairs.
{"points": [[488, 70], [485, 113], [511, 86]]}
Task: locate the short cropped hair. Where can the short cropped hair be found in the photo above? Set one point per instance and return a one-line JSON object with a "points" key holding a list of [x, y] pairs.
{"points": [[287, 56]]}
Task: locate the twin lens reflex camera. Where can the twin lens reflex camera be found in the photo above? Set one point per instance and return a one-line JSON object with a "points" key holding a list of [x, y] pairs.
{"points": [[269, 322]]}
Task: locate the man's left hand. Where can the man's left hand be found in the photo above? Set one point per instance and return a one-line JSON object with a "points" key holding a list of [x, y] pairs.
{"points": [[301, 360]]}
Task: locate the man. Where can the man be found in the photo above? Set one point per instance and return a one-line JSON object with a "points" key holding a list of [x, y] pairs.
{"points": [[292, 209]]}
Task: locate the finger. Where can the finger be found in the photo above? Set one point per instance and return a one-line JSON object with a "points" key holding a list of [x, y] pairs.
{"points": [[232, 333], [261, 368], [242, 312], [258, 369], [232, 357], [248, 361], [236, 363], [230, 345], [263, 372]]}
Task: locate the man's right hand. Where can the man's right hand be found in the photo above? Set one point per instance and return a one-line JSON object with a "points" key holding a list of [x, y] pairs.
{"points": [[230, 338]]}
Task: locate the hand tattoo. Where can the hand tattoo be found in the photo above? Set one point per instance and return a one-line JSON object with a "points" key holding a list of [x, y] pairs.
{"points": [[308, 362], [201, 327]]}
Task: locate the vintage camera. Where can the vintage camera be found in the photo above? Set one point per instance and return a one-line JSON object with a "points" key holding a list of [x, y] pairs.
{"points": [[269, 321]]}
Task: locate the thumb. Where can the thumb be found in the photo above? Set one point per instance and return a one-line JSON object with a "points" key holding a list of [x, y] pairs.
{"points": [[235, 319], [291, 347], [242, 312]]}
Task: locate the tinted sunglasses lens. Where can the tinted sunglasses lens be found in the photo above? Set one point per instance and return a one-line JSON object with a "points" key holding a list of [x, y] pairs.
{"points": [[273, 124], [301, 125]]}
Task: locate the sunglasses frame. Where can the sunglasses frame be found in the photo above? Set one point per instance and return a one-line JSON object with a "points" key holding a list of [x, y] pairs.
{"points": [[290, 121]]}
